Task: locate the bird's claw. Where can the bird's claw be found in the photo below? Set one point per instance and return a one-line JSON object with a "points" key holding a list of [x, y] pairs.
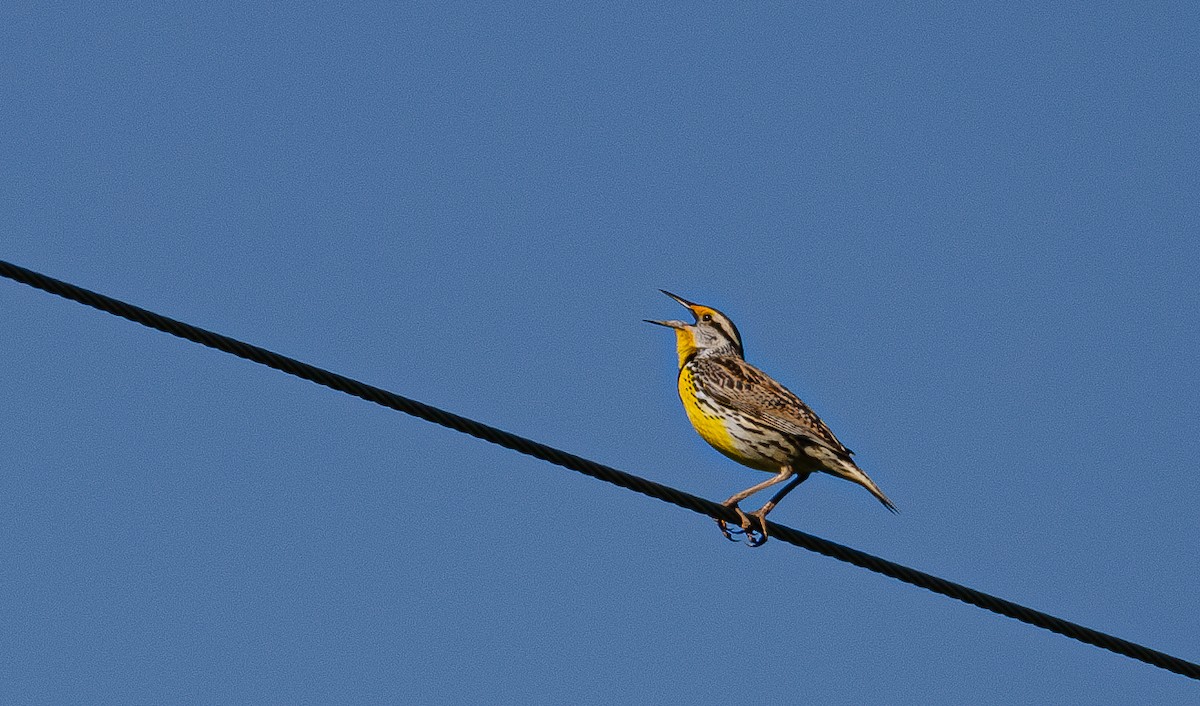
{"points": [[725, 530], [753, 541], [753, 538]]}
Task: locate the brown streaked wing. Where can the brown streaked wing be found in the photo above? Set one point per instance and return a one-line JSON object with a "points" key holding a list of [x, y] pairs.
{"points": [[735, 383]]}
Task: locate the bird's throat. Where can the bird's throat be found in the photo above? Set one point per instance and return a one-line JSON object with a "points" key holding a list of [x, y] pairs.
{"points": [[685, 345]]}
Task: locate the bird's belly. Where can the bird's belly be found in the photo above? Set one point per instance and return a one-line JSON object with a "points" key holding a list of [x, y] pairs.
{"points": [[732, 434]]}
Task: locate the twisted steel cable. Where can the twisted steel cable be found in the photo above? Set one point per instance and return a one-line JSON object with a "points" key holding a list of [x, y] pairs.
{"points": [[596, 470]]}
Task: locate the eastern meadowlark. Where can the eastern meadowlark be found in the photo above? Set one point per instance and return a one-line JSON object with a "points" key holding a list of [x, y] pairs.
{"points": [[752, 419]]}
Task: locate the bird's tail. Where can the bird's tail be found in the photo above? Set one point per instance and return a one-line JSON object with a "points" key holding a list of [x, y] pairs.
{"points": [[870, 485], [850, 471]]}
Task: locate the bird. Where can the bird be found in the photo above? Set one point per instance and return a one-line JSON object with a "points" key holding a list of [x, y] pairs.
{"points": [[749, 417]]}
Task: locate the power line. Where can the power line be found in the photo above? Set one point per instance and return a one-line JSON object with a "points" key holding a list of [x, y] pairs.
{"points": [[595, 470]]}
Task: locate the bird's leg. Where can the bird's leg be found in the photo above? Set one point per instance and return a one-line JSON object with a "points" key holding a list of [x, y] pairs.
{"points": [[761, 513], [747, 525]]}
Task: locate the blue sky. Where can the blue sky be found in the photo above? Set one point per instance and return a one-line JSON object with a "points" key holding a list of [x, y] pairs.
{"points": [[965, 235]]}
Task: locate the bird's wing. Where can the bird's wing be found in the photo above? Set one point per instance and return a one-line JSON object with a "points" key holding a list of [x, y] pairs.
{"points": [[737, 384]]}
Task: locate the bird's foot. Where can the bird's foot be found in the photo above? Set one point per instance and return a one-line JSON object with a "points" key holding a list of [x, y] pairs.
{"points": [[753, 541], [747, 529]]}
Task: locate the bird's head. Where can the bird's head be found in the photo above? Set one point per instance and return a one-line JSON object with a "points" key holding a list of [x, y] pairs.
{"points": [[712, 333]]}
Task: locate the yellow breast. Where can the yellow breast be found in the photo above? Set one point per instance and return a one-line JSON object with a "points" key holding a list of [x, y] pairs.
{"points": [[713, 424], [709, 424]]}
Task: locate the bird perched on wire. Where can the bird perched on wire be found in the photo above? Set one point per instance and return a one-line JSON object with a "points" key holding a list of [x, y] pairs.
{"points": [[752, 419]]}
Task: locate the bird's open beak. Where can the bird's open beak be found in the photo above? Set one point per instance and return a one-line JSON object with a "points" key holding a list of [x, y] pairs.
{"points": [[668, 324], [681, 300], [674, 324]]}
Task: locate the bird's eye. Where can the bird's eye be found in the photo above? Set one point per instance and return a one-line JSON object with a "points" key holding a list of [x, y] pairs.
{"points": [[706, 317]]}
